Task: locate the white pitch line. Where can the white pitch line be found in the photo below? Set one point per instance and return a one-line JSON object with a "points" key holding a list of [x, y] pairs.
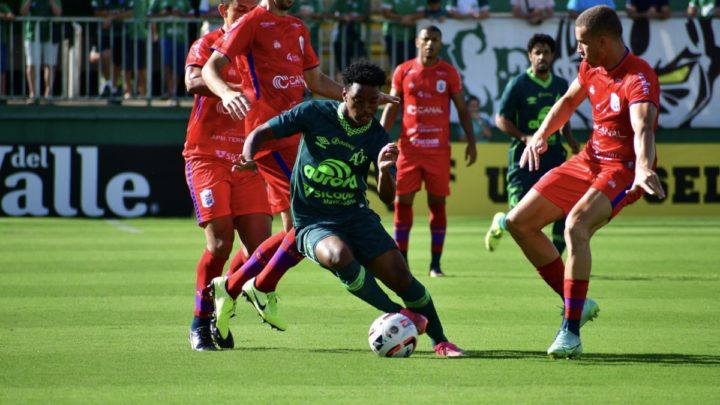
{"points": [[123, 227]]}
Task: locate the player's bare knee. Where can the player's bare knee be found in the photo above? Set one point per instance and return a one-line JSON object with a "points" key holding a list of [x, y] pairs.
{"points": [[334, 256], [220, 247], [576, 230], [515, 227]]}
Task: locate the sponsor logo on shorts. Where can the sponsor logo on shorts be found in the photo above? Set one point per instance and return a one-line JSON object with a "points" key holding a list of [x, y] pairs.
{"points": [[206, 198]]}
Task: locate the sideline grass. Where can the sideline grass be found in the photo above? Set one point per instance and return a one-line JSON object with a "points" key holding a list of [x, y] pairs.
{"points": [[98, 311]]}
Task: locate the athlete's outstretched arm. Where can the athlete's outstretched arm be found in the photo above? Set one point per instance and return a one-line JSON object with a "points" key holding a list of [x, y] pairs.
{"points": [[234, 101], [642, 119], [319, 83], [387, 120], [386, 181], [466, 123], [559, 114]]}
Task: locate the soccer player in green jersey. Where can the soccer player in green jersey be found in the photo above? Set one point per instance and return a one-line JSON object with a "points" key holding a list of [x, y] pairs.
{"points": [[334, 225], [524, 104]]}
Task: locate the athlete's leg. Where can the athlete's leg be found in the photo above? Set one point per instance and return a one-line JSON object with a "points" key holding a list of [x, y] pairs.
{"points": [[335, 254], [591, 213], [438, 227], [403, 221], [252, 229], [525, 223]]}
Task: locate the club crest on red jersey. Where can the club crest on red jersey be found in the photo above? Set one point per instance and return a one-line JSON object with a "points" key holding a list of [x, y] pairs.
{"points": [[441, 86]]}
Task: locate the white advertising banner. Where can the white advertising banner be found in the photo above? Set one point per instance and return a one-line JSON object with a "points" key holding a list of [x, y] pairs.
{"points": [[685, 54]]}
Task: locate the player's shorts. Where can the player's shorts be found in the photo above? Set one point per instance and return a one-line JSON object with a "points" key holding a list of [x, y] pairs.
{"points": [[364, 233], [565, 185], [433, 169], [276, 168], [37, 53], [521, 180], [217, 191]]}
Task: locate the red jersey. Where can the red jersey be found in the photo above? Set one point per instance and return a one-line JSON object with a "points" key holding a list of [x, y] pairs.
{"points": [[611, 94], [426, 92], [211, 132], [277, 51]]}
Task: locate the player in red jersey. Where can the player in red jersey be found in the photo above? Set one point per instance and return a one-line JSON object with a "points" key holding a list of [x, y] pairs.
{"points": [[614, 170], [280, 63], [225, 200], [426, 85]]}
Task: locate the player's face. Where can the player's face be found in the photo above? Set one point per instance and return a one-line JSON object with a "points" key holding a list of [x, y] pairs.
{"points": [[541, 58], [236, 9], [429, 43], [589, 46], [361, 103], [283, 5]]}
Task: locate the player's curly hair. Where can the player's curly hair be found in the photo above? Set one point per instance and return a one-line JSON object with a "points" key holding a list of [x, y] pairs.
{"points": [[365, 73], [541, 39]]}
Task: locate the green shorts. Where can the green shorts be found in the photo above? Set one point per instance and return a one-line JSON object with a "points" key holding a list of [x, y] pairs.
{"points": [[520, 181], [364, 233]]}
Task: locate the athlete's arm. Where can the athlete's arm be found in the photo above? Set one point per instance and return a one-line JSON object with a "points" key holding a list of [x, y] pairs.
{"points": [[319, 83], [386, 181], [510, 128], [234, 101], [387, 120], [466, 123], [559, 114], [642, 119], [194, 82], [253, 143], [566, 131]]}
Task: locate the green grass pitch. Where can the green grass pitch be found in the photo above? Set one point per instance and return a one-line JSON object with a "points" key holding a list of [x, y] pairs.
{"points": [[95, 311]]}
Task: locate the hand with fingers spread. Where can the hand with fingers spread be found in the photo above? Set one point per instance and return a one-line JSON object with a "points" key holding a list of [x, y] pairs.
{"points": [[649, 181], [388, 99], [236, 104], [536, 146]]}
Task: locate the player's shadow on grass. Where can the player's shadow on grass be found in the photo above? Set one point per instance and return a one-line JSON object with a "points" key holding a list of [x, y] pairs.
{"points": [[609, 358]]}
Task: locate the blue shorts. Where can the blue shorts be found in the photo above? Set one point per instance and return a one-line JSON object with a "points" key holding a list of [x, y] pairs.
{"points": [[173, 52], [364, 233], [4, 55]]}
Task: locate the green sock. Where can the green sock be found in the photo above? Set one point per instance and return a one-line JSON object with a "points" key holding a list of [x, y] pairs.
{"points": [[362, 284], [502, 223], [558, 235], [418, 299]]}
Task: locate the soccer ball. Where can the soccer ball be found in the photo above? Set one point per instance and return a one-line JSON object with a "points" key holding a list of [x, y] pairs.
{"points": [[393, 335]]}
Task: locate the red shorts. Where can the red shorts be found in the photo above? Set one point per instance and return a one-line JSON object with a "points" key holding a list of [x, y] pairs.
{"points": [[566, 184], [276, 168], [412, 170], [217, 191]]}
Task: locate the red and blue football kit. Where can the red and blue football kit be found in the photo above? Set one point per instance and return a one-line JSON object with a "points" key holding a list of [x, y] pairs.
{"points": [[212, 142], [425, 134], [607, 163], [277, 52]]}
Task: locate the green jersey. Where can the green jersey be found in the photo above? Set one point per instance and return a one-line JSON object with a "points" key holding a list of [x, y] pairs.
{"points": [[526, 101], [329, 179], [4, 25], [173, 30], [42, 8], [402, 7], [139, 29]]}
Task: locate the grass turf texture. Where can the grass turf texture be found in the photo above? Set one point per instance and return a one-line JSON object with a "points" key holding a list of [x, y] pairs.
{"points": [[98, 311]]}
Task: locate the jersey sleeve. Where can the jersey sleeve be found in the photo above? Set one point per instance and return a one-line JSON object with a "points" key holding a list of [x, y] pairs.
{"points": [[237, 40], [508, 101], [310, 59], [398, 78], [290, 122], [643, 88], [455, 81], [582, 71], [199, 53]]}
